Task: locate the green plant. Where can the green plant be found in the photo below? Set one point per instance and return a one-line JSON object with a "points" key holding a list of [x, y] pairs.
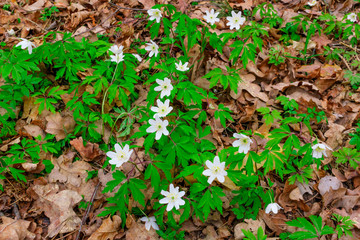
{"points": [[348, 156], [6, 7], [343, 225], [354, 79], [276, 55], [48, 13], [268, 14], [251, 236], [313, 229]]}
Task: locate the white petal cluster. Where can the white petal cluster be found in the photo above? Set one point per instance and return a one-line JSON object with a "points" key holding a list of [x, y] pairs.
{"points": [[152, 48], [236, 20], [273, 207], [155, 14], [216, 170], [162, 109], [115, 49], [120, 156], [243, 143], [11, 32], [26, 44], [211, 17], [150, 222], [158, 126], [312, 3], [319, 150], [352, 17], [137, 56], [182, 67], [172, 198], [118, 53], [164, 86]]}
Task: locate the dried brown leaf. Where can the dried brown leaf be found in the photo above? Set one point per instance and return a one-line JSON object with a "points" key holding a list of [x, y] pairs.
{"points": [[108, 229], [328, 182], [59, 126], [35, 6], [89, 152], [15, 229], [59, 208], [248, 85]]}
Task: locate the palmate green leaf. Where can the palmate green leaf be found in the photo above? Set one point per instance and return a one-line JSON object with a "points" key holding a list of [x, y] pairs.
{"points": [[152, 173], [118, 178], [186, 213], [314, 229], [206, 203], [274, 160], [17, 174], [135, 185]]}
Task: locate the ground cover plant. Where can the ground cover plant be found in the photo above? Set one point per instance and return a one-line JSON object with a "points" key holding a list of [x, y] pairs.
{"points": [[188, 120]]}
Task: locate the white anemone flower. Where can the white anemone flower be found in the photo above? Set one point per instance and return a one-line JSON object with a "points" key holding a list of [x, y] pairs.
{"points": [[137, 56], [117, 57], [153, 48], [162, 108], [215, 170], [172, 198], [273, 207], [165, 87], [211, 17], [150, 222], [182, 67], [120, 156], [154, 14], [236, 20], [115, 49], [312, 3], [319, 150], [243, 143], [352, 17], [11, 32], [26, 44], [158, 126]]}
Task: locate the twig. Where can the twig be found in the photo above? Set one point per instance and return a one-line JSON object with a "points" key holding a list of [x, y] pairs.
{"points": [[87, 211], [353, 48], [343, 59]]}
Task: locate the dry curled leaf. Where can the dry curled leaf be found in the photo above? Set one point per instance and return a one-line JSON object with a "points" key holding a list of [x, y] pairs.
{"points": [[328, 182], [108, 229], [59, 126], [15, 229], [59, 208], [89, 151]]}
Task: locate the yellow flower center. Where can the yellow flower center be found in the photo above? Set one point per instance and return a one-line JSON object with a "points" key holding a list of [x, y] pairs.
{"points": [[172, 197], [215, 169]]}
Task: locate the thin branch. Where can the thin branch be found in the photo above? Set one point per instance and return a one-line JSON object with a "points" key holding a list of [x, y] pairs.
{"points": [[87, 211]]}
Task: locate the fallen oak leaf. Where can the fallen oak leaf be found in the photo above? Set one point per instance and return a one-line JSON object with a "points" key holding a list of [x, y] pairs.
{"points": [[59, 126], [108, 229], [73, 174], [58, 207], [248, 85], [89, 152], [35, 6], [15, 229]]}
